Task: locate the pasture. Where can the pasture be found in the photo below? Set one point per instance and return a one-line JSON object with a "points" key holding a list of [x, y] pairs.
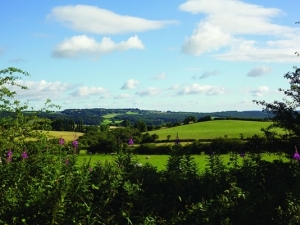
{"points": [[160, 161], [213, 129]]}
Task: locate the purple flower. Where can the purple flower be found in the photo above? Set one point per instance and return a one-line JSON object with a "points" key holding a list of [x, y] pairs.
{"points": [[67, 162], [61, 141], [75, 143], [130, 142], [243, 154], [24, 155], [296, 154], [9, 156]]}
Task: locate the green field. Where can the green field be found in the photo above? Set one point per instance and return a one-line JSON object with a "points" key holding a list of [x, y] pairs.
{"points": [[160, 161], [110, 116], [213, 129]]}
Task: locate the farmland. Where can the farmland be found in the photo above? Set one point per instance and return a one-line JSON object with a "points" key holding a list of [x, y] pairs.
{"points": [[213, 129], [68, 136]]}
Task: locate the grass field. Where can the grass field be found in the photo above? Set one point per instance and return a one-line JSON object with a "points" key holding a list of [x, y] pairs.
{"points": [[67, 135], [160, 161], [213, 129]]}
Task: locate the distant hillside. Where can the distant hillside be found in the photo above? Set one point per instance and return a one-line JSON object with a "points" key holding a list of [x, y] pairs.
{"points": [[152, 117], [212, 129]]}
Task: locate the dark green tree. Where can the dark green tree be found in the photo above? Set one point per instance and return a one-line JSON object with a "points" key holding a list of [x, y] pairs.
{"points": [[189, 119], [141, 126], [285, 113]]}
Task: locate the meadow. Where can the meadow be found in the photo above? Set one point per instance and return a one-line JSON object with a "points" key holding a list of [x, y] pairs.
{"points": [[160, 161], [214, 129], [204, 130]]}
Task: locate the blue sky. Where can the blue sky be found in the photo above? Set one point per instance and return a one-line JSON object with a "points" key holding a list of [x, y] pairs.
{"points": [[192, 55]]}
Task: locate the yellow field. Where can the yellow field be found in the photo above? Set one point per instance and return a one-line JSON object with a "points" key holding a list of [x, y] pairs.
{"points": [[67, 135]]}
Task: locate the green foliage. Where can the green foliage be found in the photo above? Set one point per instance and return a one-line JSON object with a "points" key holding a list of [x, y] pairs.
{"points": [[190, 119], [286, 115], [50, 187]]}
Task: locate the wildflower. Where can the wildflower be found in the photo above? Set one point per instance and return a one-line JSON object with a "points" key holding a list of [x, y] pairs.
{"points": [[67, 162], [61, 141], [91, 169], [242, 154], [296, 154], [9, 156], [130, 142], [75, 143], [24, 155], [177, 140]]}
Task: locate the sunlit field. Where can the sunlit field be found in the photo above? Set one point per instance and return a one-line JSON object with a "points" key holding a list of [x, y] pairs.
{"points": [[67, 135], [213, 129], [160, 161]]}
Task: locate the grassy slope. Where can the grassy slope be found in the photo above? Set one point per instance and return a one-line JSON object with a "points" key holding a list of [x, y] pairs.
{"points": [[213, 129]]}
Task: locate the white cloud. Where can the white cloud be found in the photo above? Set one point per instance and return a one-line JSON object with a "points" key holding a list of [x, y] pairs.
{"points": [[201, 89], [161, 76], [87, 91], [82, 44], [206, 38], [229, 26], [148, 91], [130, 84], [40, 90], [260, 91], [85, 18], [259, 71]]}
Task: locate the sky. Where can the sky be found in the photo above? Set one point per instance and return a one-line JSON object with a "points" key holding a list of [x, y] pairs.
{"points": [[178, 55]]}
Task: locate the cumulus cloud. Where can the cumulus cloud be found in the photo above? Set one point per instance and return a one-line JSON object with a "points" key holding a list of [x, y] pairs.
{"points": [[260, 91], [201, 89], [161, 76], [87, 91], [84, 45], [149, 91], [85, 18], [259, 71], [40, 90], [228, 26], [130, 84], [206, 38]]}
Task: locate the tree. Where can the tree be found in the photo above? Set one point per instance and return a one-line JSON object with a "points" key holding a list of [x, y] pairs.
{"points": [[285, 113], [189, 119], [141, 126], [17, 128]]}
